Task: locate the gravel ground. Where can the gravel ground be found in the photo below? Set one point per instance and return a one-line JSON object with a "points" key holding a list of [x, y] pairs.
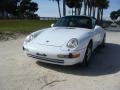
{"points": [[18, 72]]}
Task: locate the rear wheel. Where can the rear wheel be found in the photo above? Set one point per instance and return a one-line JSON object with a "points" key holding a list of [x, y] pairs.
{"points": [[88, 55]]}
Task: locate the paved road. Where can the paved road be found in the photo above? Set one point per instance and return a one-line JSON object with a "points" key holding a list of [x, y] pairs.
{"points": [[18, 72]]}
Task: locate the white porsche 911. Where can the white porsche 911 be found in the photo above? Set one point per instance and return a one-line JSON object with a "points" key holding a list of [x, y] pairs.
{"points": [[69, 41]]}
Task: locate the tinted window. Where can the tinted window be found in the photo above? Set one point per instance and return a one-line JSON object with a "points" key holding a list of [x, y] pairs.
{"points": [[74, 21]]}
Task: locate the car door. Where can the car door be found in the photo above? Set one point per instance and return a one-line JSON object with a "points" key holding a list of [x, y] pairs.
{"points": [[101, 34], [95, 34], [98, 32]]}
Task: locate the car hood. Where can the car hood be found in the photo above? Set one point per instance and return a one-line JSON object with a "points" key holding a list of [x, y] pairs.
{"points": [[58, 36]]}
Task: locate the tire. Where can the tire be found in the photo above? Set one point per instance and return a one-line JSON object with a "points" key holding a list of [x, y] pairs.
{"points": [[88, 55], [103, 42]]}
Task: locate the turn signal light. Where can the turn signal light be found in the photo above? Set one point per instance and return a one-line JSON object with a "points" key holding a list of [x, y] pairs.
{"points": [[74, 55], [69, 56]]}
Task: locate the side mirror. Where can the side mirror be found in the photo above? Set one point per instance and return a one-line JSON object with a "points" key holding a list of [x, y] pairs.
{"points": [[96, 27], [52, 25]]}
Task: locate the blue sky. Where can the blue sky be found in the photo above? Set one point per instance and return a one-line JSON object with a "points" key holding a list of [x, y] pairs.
{"points": [[48, 8]]}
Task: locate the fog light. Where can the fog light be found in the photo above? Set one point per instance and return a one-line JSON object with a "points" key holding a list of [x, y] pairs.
{"points": [[63, 56]]}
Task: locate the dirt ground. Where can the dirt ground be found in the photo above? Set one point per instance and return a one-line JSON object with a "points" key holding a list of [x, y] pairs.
{"points": [[19, 72]]}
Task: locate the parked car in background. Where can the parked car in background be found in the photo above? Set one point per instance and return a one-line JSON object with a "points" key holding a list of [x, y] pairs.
{"points": [[114, 25]]}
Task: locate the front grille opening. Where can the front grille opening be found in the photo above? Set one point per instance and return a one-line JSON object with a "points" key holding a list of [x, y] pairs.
{"points": [[46, 59]]}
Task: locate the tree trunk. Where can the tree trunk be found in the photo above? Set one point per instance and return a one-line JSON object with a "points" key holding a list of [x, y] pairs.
{"points": [[72, 11], [75, 11], [79, 10], [101, 14], [64, 8], [85, 10], [90, 11], [59, 8], [85, 7], [98, 15], [94, 9]]}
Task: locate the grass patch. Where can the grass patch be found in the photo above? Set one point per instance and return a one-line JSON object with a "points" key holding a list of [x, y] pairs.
{"points": [[23, 26]]}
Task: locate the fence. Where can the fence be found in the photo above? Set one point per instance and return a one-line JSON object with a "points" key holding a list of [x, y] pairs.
{"points": [[49, 18]]}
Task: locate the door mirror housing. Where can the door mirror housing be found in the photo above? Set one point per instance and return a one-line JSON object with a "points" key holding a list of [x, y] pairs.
{"points": [[52, 25], [97, 27]]}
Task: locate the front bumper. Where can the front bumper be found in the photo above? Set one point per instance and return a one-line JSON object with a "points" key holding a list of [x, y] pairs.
{"points": [[49, 54]]}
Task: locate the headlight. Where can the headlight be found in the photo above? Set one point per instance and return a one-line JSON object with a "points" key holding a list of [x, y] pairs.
{"points": [[32, 36], [73, 43], [29, 38]]}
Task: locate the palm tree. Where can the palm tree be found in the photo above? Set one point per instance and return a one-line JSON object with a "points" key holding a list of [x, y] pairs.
{"points": [[71, 4], [89, 7], [92, 6], [104, 5], [77, 4], [101, 5], [58, 2], [93, 2], [85, 6]]}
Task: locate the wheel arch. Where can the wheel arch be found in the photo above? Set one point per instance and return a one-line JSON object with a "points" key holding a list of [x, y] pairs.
{"points": [[91, 42]]}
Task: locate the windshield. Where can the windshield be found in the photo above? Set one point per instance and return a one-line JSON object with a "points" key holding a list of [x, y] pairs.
{"points": [[74, 21]]}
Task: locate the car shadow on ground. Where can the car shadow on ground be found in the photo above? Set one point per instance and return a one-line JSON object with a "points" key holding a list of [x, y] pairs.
{"points": [[104, 61]]}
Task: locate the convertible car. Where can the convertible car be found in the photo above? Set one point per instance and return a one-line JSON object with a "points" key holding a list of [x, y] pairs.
{"points": [[69, 41]]}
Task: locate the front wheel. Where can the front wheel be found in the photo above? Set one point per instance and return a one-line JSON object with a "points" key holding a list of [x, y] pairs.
{"points": [[88, 55], [103, 42]]}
